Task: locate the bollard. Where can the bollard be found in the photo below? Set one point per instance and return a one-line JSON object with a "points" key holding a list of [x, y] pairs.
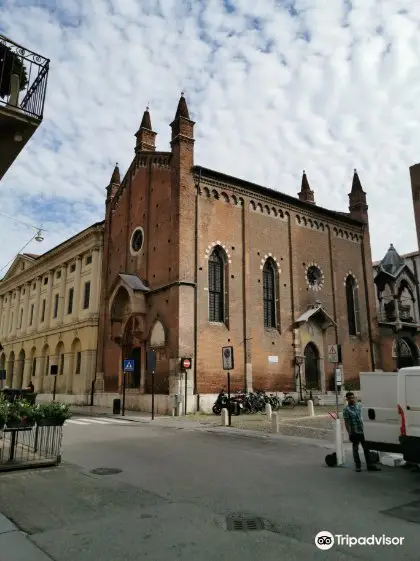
{"points": [[225, 417], [339, 447], [275, 423], [268, 411], [311, 411]]}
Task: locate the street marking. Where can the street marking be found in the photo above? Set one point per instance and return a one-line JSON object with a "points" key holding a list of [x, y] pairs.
{"points": [[100, 422], [76, 422]]}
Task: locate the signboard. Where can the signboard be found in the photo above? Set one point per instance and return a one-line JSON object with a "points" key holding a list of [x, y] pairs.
{"points": [[151, 362], [54, 370], [338, 377], [185, 363], [129, 365], [332, 353], [2, 374], [273, 359], [227, 358]]}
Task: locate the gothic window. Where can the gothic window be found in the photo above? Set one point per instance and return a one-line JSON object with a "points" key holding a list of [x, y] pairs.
{"points": [[269, 294], [406, 302], [217, 273], [352, 299]]}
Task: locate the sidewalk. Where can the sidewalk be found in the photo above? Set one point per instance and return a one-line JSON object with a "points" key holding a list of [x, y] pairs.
{"points": [[16, 546]]}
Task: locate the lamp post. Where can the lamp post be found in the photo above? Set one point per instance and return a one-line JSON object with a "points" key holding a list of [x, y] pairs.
{"points": [[299, 361]]}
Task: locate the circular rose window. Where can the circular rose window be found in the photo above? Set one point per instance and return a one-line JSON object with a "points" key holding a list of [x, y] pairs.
{"points": [[314, 276], [137, 239]]}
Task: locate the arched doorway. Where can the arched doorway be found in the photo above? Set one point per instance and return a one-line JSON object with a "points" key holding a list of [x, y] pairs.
{"points": [[406, 352], [312, 371]]}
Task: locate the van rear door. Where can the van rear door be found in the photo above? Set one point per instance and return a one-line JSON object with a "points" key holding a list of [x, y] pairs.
{"points": [[378, 391], [412, 404]]}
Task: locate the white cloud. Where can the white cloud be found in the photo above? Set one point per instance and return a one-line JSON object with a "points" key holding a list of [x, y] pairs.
{"points": [[275, 87]]}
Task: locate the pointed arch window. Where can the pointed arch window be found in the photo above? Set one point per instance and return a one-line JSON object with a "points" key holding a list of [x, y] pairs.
{"points": [[352, 299], [269, 295], [217, 273]]}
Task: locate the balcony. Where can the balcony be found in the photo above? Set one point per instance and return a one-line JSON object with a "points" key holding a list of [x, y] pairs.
{"points": [[23, 86], [406, 315]]}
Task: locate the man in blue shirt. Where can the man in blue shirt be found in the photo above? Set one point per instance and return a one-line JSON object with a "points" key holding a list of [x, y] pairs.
{"points": [[353, 420]]}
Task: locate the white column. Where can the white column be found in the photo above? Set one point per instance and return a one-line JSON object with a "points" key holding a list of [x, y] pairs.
{"points": [[37, 309], [1, 313], [77, 280], [49, 299], [95, 281], [24, 326], [62, 294], [8, 295], [16, 313]]}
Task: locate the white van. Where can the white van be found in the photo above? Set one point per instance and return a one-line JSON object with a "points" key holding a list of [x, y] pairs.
{"points": [[408, 404], [378, 392]]}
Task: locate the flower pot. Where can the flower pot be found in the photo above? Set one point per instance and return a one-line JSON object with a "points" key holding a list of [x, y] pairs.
{"points": [[50, 422]]}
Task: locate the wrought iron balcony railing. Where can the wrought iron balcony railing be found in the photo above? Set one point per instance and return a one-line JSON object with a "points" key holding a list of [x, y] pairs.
{"points": [[23, 79]]}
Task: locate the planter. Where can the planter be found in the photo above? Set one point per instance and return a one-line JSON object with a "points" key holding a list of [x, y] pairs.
{"points": [[50, 422], [15, 424]]}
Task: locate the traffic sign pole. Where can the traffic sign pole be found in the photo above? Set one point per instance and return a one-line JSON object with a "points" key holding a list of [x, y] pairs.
{"points": [[123, 395]]}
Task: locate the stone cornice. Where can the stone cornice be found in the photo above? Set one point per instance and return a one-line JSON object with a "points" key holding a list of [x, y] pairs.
{"points": [[56, 257]]}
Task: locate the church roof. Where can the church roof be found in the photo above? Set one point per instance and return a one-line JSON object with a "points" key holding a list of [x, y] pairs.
{"points": [[281, 197], [392, 263]]}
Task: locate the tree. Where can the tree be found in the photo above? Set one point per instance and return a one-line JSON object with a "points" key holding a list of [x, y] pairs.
{"points": [[10, 63]]}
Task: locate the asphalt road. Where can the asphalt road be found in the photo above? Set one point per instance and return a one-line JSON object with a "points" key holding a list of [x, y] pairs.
{"points": [[177, 488]]}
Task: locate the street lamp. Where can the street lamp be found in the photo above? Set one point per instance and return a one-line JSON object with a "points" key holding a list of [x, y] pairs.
{"points": [[299, 361]]}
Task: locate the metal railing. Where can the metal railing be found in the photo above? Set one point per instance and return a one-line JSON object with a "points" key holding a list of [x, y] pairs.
{"points": [[390, 317], [23, 78], [30, 446]]}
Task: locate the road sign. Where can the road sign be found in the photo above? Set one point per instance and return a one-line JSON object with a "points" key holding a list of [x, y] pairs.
{"points": [[185, 363], [332, 353], [338, 377], [151, 362], [129, 365], [227, 358], [54, 369]]}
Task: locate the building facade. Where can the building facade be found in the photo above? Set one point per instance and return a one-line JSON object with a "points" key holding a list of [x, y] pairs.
{"points": [[195, 260], [396, 279], [49, 309]]}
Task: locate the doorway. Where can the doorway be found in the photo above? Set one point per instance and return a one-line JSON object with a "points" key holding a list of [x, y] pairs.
{"points": [[406, 353], [312, 371], [134, 380]]}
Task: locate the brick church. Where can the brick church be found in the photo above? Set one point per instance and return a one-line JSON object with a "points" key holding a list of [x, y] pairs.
{"points": [[195, 260]]}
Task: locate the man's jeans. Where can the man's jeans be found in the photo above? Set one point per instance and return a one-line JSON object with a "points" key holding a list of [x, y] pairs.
{"points": [[357, 439]]}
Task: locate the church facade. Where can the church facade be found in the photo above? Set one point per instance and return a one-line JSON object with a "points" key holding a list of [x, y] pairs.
{"points": [[195, 260]]}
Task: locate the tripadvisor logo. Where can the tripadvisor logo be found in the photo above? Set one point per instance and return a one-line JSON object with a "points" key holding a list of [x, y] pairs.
{"points": [[325, 540]]}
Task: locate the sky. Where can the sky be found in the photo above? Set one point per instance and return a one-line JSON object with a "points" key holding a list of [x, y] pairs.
{"points": [[274, 86]]}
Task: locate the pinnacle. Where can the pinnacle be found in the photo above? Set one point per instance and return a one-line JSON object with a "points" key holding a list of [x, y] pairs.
{"points": [[116, 179], [182, 109], [146, 122]]}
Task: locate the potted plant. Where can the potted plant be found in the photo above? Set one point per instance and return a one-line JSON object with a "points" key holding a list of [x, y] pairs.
{"points": [[51, 414], [10, 63]]}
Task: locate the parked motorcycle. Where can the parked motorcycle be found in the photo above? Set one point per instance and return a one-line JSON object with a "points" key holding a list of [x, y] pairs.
{"points": [[222, 402]]}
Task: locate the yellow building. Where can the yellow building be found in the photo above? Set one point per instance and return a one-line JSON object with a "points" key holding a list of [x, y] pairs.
{"points": [[49, 310]]}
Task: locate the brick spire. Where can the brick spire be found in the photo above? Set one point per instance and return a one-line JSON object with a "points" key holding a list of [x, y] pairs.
{"points": [[182, 109], [145, 137], [114, 184], [306, 194], [357, 200], [182, 126]]}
